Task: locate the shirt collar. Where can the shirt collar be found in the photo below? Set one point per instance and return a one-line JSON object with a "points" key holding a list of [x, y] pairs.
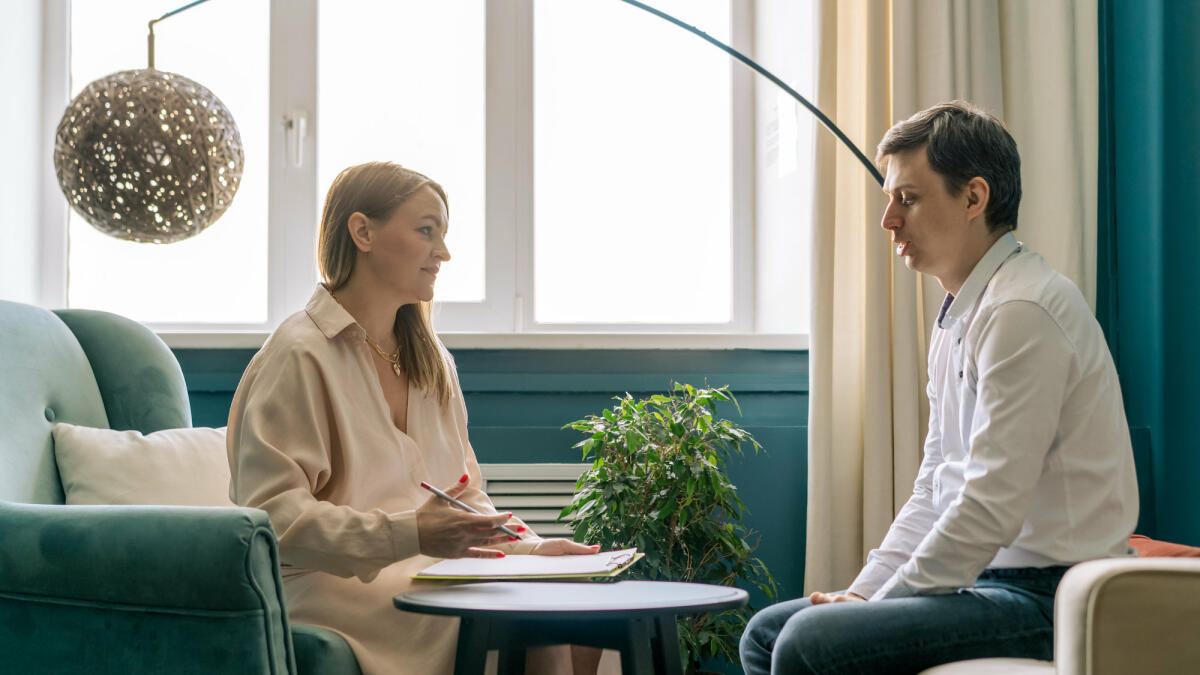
{"points": [[329, 316], [956, 306]]}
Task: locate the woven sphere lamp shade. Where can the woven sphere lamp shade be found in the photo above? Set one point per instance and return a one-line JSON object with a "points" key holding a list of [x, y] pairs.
{"points": [[148, 156]]}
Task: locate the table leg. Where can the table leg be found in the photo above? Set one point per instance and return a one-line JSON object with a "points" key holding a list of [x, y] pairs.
{"points": [[635, 648], [665, 645], [511, 662], [471, 656]]}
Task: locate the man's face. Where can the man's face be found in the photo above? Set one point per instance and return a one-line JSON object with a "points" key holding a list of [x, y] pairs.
{"points": [[930, 227]]}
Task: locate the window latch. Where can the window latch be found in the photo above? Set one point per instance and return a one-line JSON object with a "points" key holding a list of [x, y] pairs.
{"points": [[295, 131]]}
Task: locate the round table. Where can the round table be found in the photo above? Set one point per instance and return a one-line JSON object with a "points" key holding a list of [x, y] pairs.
{"points": [[636, 618]]}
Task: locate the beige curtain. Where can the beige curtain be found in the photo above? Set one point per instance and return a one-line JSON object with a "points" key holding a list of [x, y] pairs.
{"points": [[1032, 63]]}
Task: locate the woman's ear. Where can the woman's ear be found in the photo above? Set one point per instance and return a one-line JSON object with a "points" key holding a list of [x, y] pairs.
{"points": [[978, 194], [359, 227]]}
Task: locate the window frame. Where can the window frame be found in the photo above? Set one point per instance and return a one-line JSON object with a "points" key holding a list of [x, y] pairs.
{"points": [[294, 196]]}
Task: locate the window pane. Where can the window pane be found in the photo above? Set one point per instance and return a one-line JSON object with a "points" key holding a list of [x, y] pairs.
{"points": [[220, 275], [632, 160], [403, 81]]}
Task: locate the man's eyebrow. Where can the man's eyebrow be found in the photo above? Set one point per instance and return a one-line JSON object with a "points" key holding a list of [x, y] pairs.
{"points": [[897, 188]]}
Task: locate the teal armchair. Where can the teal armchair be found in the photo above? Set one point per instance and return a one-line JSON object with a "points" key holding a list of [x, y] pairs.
{"points": [[125, 589]]}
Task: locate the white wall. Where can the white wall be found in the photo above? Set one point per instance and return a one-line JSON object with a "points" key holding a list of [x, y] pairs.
{"points": [[20, 134]]}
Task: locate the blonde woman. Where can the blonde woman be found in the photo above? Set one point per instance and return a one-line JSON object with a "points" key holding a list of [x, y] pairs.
{"points": [[349, 405]]}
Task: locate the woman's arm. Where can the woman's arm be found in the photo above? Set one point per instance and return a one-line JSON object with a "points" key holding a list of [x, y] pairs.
{"points": [[279, 448]]}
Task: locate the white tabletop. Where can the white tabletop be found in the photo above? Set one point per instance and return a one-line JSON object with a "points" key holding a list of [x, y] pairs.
{"points": [[580, 600]]}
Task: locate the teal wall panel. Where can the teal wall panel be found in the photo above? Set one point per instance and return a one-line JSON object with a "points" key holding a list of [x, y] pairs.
{"points": [[519, 400], [1150, 169]]}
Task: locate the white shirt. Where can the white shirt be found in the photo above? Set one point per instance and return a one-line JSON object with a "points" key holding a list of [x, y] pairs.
{"points": [[1028, 461]]}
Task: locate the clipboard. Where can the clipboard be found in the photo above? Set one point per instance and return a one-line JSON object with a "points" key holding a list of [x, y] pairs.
{"points": [[519, 567]]}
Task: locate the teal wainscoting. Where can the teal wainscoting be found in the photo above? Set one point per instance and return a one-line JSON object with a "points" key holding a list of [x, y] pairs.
{"points": [[1149, 241], [518, 401]]}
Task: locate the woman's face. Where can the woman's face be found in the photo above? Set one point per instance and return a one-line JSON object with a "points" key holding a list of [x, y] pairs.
{"points": [[409, 247]]}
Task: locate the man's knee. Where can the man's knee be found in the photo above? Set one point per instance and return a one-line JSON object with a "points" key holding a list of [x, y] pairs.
{"points": [[762, 631], [812, 637], [766, 624]]}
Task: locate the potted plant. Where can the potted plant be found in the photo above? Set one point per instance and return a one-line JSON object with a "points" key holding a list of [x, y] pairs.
{"points": [[658, 482]]}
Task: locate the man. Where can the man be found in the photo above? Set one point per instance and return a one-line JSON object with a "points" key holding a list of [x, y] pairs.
{"points": [[1028, 467]]}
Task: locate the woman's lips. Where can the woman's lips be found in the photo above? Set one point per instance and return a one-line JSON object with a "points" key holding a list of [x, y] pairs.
{"points": [[902, 247]]}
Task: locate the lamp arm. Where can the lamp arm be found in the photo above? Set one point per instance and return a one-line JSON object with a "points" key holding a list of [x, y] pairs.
{"points": [[150, 37], [828, 123]]}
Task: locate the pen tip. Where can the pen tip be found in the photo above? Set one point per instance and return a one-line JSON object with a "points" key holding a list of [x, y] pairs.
{"points": [[425, 485]]}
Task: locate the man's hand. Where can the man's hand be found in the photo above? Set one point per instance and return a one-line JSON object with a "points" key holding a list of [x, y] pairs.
{"points": [[819, 598]]}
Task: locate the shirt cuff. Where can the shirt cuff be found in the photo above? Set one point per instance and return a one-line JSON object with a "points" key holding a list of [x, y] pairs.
{"points": [[402, 528], [897, 587], [872, 577]]}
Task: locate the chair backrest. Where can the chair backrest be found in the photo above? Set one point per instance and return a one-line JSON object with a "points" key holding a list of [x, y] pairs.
{"points": [[84, 367], [139, 378], [45, 377]]}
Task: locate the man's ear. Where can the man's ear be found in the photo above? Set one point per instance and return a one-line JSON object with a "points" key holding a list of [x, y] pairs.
{"points": [[978, 194], [359, 227]]}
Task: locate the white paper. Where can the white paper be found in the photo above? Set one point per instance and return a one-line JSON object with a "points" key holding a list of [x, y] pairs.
{"points": [[530, 565]]}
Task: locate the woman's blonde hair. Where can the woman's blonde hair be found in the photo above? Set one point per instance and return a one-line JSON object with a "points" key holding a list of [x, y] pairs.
{"points": [[375, 189]]}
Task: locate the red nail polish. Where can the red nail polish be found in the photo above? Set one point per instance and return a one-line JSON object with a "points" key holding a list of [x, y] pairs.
{"points": [[512, 539], [521, 528], [500, 556], [464, 478]]}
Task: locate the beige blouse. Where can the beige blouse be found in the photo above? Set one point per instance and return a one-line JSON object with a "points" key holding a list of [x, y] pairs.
{"points": [[311, 441]]}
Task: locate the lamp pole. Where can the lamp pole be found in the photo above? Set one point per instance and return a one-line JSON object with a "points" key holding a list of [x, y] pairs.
{"points": [[828, 123], [150, 37]]}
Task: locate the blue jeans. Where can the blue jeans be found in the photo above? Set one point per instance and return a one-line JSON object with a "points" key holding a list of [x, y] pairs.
{"points": [[1008, 612]]}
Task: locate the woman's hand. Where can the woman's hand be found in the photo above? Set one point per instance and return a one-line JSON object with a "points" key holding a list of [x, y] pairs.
{"points": [[563, 547], [446, 531]]}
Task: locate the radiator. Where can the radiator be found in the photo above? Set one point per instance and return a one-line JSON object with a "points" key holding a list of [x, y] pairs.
{"points": [[535, 493]]}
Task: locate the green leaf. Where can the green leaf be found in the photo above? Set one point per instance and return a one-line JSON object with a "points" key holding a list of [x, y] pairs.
{"points": [[657, 481]]}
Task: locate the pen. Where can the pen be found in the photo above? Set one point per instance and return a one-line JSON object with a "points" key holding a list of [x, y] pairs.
{"points": [[465, 507]]}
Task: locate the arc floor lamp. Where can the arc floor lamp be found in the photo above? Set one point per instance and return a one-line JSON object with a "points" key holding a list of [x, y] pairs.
{"points": [[753, 65]]}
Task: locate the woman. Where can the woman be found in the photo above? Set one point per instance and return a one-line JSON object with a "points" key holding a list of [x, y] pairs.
{"points": [[352, 403]]}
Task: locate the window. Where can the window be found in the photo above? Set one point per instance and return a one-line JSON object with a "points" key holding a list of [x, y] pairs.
{"points": [[633, 190], [405, 81], [601, 164], [190, 281]]}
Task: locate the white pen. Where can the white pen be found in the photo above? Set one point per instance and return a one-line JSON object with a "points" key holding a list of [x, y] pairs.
{"points": [[465, 507]]}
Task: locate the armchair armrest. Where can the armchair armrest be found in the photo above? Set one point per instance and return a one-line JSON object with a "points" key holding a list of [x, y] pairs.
{"points": [[1128, 615], [155, 556], [141, 589]]}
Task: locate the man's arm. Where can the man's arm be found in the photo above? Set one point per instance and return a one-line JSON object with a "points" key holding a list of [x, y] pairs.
{"points": [[1024, 363]]}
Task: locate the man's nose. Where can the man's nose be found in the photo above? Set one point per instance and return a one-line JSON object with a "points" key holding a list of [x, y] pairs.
{"points": [[891, 219]]}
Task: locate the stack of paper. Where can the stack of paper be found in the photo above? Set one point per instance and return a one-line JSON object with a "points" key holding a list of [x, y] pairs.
{"points": [[607, 564]]}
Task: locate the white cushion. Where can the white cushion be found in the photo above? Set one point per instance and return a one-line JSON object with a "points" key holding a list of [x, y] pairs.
{"points": [[993, 667], [183, 467]]}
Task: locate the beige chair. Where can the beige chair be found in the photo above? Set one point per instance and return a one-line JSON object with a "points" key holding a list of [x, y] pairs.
{"points": [[1124, 616]]}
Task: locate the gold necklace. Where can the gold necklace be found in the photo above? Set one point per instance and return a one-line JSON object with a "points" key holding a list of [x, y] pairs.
{"points": [[393, 358]]}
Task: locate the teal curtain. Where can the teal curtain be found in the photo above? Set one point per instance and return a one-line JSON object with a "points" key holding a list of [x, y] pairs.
{"points": [[1149, 242]]}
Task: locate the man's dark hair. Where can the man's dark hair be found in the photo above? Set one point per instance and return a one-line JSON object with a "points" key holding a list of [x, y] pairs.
{"points": [[962, 142]]}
